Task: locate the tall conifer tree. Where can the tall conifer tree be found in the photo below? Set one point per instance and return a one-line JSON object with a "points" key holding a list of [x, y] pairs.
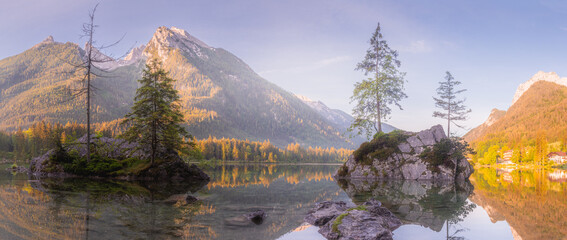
{"points": [[156, 117], [374, 95], [455, 109]]}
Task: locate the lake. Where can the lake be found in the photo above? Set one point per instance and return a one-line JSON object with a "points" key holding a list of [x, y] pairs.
{"points": [[496, 204]]}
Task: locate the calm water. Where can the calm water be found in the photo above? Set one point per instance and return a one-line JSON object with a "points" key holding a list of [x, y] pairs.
{"points": [[495, 205]]}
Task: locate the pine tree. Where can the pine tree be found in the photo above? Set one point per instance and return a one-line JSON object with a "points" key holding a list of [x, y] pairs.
{"points": [[374, 95], [156, 117], [456, 110]]}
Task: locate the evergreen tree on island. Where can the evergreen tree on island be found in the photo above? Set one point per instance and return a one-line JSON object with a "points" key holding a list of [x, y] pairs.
{"points": [[374, 96], [156, 117], [455, 109]]}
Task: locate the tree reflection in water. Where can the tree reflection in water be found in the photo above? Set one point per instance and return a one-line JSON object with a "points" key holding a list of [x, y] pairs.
{"points": [[533, 202], [58, 208], [429, 204]]}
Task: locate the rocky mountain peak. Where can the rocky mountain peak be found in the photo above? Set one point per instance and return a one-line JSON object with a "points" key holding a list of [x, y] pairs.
{"points": [[48, 40], [174, 38], [135, 53], [495, 114], [539, 76]]}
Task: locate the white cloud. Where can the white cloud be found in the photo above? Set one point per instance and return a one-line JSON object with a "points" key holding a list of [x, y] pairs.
{"points": [[418, 46], [310, 66], [333, 60]]}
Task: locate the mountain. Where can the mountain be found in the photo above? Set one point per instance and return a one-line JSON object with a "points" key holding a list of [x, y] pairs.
{"points": [[220, 94], [539, 76], [38, 84], [335, 116], [540, 110], [477, 132]]}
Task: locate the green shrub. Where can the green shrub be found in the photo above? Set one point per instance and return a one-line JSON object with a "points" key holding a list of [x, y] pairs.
{"points": [[98, 166], [381, 147], [442, 152], [343, 171]]}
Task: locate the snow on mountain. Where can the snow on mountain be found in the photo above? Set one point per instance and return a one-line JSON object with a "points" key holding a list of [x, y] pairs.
{"points": [[166, 38], [133, 56], [539, 76]]}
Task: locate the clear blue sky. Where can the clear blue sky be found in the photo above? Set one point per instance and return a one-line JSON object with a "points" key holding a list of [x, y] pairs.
{"points": [[312, 47]]}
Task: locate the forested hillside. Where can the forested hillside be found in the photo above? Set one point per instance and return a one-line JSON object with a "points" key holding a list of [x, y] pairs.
{"points": [[39, 84], [220, 95], [537, 119]]}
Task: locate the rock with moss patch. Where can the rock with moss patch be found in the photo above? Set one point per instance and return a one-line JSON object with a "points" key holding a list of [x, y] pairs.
{"points": [[401, 156], [367, 221], [114, 158]]}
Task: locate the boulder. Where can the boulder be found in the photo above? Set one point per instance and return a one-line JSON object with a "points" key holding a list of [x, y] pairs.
{"points": [[406, 163], [368, 221], [324, 212]]}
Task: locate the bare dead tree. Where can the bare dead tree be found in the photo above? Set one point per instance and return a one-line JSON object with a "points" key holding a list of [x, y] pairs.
{"points": [[92, 57]]}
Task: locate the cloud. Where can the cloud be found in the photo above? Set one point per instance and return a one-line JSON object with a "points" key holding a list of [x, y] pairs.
{"points": [[419, 46], [310, 66], [333, 60]]}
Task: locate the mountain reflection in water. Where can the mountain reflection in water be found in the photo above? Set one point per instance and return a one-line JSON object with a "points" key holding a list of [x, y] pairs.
{"points": [[532, 202], [96, 209], [511, 204]]}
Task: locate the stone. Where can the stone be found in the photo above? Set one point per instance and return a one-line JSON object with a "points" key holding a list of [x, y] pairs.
{"points": [[406, 163], [257, 216], [324, 212], [173, 169], [405, 148], [191, 199], [369, 221]]}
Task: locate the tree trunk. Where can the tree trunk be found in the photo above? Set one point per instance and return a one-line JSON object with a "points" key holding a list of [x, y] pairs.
{"points": [[379, 117], [89, 64], [456, 167]]}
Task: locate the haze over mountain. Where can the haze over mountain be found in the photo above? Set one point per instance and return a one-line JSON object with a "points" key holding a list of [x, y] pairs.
{"points": [[540, 108], [220, 94], [336, 116]]}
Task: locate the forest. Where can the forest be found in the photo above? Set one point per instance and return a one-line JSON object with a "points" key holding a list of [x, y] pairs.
{"points": [[533, 127], [22, 145]]}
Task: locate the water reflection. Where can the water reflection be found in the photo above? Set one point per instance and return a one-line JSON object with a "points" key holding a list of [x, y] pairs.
{"points": [[95, 209], [533, 202], [426, 203]]}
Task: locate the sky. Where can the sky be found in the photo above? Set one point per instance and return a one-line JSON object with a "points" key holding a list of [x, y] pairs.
{"points": [[311, 47]]}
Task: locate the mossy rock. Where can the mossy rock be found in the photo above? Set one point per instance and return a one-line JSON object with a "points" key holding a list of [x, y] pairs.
{"points": [[381, 147]]}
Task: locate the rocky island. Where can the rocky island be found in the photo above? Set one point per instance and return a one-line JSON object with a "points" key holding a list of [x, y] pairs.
{"points": [[428, 154], [113, 158]]}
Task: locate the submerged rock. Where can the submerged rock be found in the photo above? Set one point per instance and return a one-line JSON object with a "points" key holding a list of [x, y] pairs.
{"points": [[18, 169], [404, 161], [367, 221], [257, 216]]}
